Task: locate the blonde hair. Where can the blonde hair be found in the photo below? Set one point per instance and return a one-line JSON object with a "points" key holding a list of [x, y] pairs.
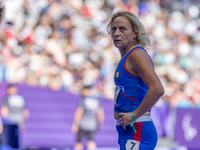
{"points": [[142, 36]]}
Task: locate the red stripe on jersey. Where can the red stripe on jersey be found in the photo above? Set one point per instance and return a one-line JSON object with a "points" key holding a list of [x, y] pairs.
{"points": [[127, 96]]}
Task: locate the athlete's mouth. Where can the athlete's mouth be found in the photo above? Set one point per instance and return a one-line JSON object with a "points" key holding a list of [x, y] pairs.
{"points": [[117, 40]]}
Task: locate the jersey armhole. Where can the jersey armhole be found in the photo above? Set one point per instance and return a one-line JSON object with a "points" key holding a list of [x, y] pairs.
{"points": [[125, 63], [128, 56]]}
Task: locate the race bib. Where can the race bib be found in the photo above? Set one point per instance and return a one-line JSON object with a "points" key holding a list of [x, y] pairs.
{"points": [[132, 145]]}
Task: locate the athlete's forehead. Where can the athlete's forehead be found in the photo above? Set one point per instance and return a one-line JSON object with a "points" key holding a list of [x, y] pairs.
{"points": [[121, 21]]}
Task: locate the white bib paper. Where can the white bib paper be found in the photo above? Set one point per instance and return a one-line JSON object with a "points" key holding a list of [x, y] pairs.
{"points": [[132, 145]]}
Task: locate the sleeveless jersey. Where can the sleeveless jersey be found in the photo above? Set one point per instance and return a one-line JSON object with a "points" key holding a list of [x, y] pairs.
{"points": [[130, 90]]}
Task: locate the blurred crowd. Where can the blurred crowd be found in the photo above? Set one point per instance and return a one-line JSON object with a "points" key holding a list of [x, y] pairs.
{"points": [[64, 45]]}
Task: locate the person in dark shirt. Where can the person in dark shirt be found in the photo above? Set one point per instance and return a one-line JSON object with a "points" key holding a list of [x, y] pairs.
{"points": [[13, 108], [88, 117]]}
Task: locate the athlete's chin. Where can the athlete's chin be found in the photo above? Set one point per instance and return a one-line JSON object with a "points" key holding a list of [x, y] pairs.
{"points": [[118, 47]]}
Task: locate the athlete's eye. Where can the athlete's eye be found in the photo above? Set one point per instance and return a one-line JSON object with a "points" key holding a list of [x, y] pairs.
{"points": [[113, 29]]}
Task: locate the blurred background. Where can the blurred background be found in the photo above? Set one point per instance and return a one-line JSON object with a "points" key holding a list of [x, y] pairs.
{"points": [[50, 49]]}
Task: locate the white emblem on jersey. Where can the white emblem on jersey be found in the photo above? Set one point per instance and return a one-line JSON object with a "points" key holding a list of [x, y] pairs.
{"points": [[117, 90]]}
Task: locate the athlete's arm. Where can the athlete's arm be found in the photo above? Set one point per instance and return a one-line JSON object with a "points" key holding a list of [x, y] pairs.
{"points": [[139, 64], [143, 68]]}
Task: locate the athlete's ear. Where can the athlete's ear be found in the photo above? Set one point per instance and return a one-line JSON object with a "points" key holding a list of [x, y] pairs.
{"points": [[134, 34]]}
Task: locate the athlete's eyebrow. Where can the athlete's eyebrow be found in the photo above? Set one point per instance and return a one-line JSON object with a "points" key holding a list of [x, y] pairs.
{"points": [[118, 26], [121, 26]]}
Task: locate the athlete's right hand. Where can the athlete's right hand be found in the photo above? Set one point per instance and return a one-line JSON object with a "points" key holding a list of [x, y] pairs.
{"points": [[125, 119]]}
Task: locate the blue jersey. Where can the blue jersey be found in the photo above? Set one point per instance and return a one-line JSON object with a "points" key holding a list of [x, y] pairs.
{"points": [[130, 90]]}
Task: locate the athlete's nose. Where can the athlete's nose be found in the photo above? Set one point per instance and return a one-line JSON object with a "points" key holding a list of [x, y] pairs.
{"points": [[116, 33]]}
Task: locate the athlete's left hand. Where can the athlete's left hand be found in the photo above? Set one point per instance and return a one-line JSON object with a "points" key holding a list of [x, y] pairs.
{"points": [[125, 119]]}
